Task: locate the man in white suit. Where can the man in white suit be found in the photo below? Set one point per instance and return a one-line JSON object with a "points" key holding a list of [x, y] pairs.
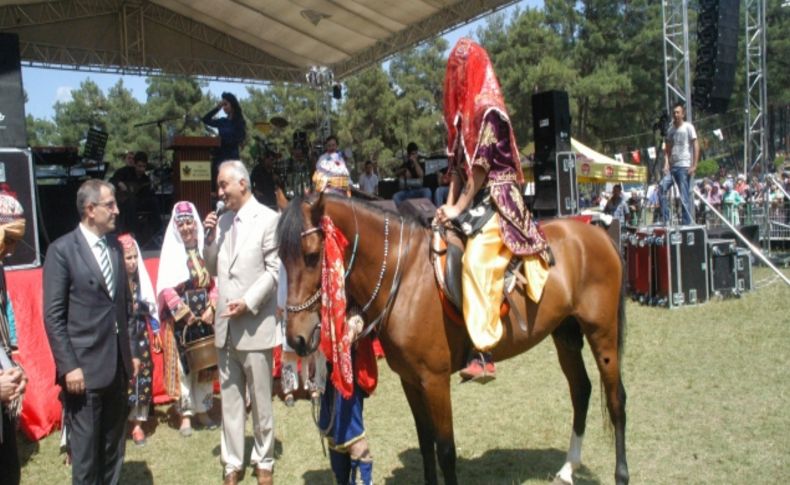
{"points": [[241, 250]]}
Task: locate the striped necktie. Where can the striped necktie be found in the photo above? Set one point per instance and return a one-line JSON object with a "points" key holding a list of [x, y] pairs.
{"points": [[106, 266]]}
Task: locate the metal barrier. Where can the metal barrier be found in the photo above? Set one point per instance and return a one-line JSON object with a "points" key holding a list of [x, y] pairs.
{"points": [[755, 214]]}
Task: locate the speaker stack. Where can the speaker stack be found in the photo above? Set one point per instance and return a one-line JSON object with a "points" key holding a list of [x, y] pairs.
{"points": [[717, 49], [556, 192]]}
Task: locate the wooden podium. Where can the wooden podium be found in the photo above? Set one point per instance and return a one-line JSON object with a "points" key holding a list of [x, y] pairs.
{"points": [[192, 170]]}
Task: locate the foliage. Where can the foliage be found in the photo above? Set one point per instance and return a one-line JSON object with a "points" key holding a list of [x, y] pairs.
{"points": [[779, 162], [777, 18], [707, 168]]}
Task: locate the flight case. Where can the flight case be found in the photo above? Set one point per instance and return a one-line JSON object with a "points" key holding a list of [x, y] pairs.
{"points": [[723, 267], [680, 263]]}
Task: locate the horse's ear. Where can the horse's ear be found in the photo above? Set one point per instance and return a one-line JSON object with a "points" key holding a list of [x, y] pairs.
{"points": [[317, 209]]}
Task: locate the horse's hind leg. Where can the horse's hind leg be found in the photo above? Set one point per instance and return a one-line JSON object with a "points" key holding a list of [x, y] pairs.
{"points": [[605, 347], [425, 432], [568, 341]]}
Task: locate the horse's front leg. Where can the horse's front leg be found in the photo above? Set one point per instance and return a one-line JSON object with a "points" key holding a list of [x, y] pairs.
{"points": [[436, 392], [422, 420]]}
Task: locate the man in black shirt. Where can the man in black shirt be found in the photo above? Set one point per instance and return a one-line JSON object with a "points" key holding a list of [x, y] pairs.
{"points": [[265, 182], [411, 174]]}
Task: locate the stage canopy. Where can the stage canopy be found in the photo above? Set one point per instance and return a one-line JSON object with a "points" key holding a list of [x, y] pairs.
{"points": [[594, 167], [238, 40]]}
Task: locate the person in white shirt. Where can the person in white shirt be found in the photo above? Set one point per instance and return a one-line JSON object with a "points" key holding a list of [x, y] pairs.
{"points": [[369, 181], [680, 158]]}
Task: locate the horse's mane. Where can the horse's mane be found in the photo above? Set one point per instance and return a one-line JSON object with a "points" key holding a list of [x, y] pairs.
{"points": [[291, 224], [289, 231]]}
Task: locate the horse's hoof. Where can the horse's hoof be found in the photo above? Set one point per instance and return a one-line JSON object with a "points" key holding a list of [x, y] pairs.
{"points": [[558, 480]]}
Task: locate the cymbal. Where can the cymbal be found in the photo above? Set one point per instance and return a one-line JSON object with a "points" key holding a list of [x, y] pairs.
{"points": [[278, 121], [309, 126], [263, 127]]}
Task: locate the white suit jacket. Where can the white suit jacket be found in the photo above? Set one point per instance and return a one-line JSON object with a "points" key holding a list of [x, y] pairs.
{"points": [[250, 273]]}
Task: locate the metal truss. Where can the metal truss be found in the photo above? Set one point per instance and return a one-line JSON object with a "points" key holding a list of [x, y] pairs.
{"points": [[755, 121], [677, 70]]}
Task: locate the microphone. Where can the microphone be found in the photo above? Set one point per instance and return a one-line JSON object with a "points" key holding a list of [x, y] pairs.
{"points": [[220, 209]]}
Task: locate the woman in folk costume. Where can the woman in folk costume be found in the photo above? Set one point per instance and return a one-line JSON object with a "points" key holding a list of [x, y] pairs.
{"points": [[187, 298], [13, 380], [144, 321], [486, 200]]}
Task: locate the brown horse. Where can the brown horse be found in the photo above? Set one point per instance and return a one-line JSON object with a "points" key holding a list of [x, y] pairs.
{"points": [[582, 298]]}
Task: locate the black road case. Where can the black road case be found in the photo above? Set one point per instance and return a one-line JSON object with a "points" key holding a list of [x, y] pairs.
{"points": [[680, 259], [743, 268], [722, 263]]}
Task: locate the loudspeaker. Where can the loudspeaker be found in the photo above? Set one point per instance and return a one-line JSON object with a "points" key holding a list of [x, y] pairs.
{"points": [[421, 209], [16, 179], [12, 98], [555, 165], [717, 50], [388, 188], [551, 123], [386, 204]]}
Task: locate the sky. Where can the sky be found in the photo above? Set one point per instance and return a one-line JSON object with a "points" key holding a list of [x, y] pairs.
{"points": [[45, 87]]}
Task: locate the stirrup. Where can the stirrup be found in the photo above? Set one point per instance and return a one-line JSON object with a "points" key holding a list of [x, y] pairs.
{"points": [[478, 370]]}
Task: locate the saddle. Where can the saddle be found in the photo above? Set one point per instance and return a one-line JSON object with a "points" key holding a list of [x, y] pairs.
{"points": [[447, 250]]}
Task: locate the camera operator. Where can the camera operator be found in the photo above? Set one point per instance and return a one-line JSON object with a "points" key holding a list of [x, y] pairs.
{"points": [[411, 174]]}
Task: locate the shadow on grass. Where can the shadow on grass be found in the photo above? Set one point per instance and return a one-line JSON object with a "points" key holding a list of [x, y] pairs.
{"points": [[25, 448], [319, 477], [496, 466], [137, 473]]}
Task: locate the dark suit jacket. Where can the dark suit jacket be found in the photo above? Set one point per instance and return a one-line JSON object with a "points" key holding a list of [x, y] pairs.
{"points": [[79, 314]]}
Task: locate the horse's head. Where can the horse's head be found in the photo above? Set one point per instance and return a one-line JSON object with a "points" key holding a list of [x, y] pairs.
{"points": [[301, 249]]}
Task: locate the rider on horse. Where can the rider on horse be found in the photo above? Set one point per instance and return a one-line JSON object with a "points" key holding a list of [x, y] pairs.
{"points": [[486, 200]]}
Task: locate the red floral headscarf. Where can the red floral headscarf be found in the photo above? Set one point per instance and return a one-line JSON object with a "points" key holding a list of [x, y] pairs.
{"points": [[471, 90]]}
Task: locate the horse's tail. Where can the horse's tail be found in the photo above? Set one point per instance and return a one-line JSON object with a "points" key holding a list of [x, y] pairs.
{"points": [[621, 320], [621, 327]]}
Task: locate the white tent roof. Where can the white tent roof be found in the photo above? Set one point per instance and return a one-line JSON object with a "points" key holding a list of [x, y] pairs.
{"points": [[266, 40]]}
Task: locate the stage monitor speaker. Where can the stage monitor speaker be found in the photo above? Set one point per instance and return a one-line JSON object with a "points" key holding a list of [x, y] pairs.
{"points": [[16, 179], [388, 188], [386, 204], [717, 51], [12, 97], [421, 209], [551, 124]]}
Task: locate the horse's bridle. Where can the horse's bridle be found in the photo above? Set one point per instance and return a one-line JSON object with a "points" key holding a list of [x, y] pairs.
{"points": [[315, 297]]}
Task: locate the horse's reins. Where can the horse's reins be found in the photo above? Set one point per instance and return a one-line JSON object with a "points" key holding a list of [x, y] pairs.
{"points": [[315, 296], [395, 282]]}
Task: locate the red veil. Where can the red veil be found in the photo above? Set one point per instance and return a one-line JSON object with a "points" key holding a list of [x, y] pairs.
{"points": [[471, 91]]}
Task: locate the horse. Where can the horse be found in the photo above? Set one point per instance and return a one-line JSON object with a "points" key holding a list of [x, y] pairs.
{"points": [[388, 268]]}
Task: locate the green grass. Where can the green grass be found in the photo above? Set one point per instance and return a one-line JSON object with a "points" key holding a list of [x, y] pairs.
{"points": [[708, 390]]}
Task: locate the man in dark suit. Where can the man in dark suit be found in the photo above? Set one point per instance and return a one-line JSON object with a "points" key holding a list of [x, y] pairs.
{"points": [[86, 306]]}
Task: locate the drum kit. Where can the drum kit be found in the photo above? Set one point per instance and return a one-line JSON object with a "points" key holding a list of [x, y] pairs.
{"points": [[294, 172]]}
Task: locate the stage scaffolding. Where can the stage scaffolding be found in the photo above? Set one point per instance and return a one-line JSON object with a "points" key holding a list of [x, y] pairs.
{"points": [[677, 65]]}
